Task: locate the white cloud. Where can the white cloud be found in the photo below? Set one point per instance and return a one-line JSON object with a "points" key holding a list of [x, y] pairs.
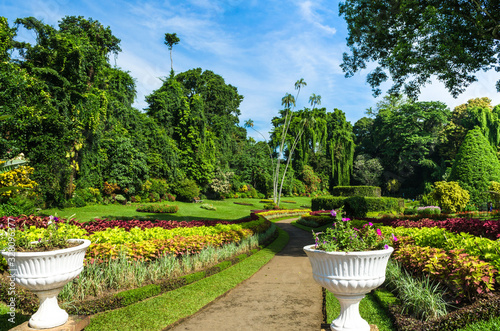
{"points": [[307, 11]]}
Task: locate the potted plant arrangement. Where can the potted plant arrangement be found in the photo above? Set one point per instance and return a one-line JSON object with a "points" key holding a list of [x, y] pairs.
{"points": [[44, 267], [349, 262]]}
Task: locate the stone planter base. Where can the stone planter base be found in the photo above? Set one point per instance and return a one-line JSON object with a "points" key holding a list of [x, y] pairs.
{"points": [[74, 323], [349, 276], [326, 327]]}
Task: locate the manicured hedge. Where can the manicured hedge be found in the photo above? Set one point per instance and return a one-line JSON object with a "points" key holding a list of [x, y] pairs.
{"points": [[357, 206], [363, 191]]}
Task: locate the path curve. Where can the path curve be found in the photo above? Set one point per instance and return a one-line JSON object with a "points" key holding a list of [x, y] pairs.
{"points": [[282, 295]]}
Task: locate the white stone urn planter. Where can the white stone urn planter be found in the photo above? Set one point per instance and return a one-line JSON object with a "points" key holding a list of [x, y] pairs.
{"points": [[46, 273], [349, 276]]}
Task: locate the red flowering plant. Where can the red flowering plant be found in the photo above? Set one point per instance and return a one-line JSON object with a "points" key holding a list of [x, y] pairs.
{"points": [[342, 236]]}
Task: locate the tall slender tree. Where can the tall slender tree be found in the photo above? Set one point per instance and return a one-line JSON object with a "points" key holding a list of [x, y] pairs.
{"points": [[171, 39]]}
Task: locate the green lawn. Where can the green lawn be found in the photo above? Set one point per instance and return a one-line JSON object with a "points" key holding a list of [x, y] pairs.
{"points": [[226, 210]]}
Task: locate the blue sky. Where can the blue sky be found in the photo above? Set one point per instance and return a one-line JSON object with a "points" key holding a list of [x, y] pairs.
{"points": [[262, 47]]}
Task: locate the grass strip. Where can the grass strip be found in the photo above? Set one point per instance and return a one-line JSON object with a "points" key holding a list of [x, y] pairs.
{"points": [[369, 309], [159, 312], [492, 324]]}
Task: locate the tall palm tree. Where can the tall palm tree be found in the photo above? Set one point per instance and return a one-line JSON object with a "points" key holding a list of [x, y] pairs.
{"points": [[298, 85], [315, 100]]}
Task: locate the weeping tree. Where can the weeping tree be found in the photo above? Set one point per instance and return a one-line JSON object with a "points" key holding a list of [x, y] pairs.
{"points": [[340, 148]]}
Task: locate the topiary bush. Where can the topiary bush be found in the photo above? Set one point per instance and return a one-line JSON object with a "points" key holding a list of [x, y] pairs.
{"points": [[356, 207], [475, 166], [350, 191], [450, 196], [372, 204]]}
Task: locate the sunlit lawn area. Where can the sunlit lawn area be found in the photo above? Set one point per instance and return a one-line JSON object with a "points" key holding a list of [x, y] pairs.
{"points": [[226, 210]]}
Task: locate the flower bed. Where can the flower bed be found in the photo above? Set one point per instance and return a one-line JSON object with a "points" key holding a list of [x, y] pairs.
{"points": [[138, 239], [477, 227]]}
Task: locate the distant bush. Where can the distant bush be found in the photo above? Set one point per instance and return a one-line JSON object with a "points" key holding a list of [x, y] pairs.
{"points": [[208, 206], [350, 191], [186, 190], [429, 210], [450, 196], [157, 208], [120, 199], [357, 205]]}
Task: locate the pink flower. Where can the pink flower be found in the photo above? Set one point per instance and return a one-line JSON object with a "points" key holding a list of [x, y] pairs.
{"points": [[370, 223], [379, 232], [394, 237], [386, 246], [346, 219]]}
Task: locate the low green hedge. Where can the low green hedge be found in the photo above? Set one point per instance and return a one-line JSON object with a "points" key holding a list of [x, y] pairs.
{"points": [[351, 191], [357, 206]]}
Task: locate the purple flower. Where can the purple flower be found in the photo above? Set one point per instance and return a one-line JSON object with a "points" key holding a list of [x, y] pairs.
{"points": [[356, 229], [394, 237], [386, 246], [333, 213], [346, 219], [379, 232], [370, 223]]}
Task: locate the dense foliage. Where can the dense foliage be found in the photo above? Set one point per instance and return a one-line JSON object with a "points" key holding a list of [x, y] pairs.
{"points": [[391, 34], [475, 166]]}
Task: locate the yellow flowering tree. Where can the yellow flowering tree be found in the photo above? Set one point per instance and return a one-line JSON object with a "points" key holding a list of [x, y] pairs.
{"points": [[15, 179]]}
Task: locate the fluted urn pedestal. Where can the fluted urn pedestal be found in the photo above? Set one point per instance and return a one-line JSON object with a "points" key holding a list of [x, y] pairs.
{"points": [[349, 276], [46, 273]]}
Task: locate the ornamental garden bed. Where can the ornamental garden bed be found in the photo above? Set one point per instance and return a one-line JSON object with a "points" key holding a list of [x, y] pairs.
{"points": [[451, 270], [129, 261]]}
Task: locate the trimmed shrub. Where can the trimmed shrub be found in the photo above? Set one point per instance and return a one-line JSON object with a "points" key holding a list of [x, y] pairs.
{"points": [[327, 203], [450, 196], [372, 204], [350, 191], [158, 208], [475, 166], [356, 206]]}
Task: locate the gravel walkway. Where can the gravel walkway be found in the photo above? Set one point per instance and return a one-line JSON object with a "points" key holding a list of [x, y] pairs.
{"points": [[282, 295]]}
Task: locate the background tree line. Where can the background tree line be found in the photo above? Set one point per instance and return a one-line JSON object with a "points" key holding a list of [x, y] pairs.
{"points": [[70, 112]]}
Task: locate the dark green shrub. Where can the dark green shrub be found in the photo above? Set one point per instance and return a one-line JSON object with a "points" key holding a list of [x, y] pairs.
{"points": [[158, 186], [327, 203], [350, 191], [410, 211], [186, 190], [475, 166], [372, 204], [356, 207], [18, 205]]}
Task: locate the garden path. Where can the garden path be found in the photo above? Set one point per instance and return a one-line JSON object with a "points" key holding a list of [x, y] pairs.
{"points": [[282, 295]]}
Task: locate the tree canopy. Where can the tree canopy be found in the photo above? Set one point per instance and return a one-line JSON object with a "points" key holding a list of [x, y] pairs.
{"points": [[414, 40]]}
